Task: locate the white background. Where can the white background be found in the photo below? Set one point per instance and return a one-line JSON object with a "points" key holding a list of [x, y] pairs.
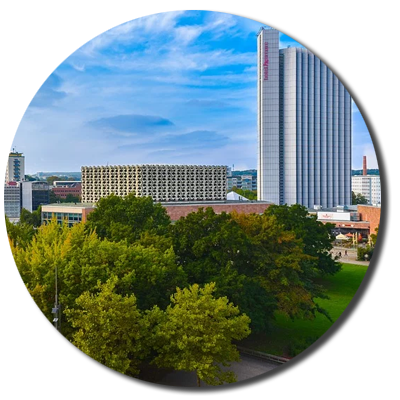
{"points": [[379, 379]]}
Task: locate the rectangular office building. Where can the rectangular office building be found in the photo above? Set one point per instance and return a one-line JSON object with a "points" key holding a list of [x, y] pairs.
{"points": [[304, 128], [161, 182]]}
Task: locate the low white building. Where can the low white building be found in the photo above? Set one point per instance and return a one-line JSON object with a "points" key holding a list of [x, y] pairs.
{"points": [[369, 186]]}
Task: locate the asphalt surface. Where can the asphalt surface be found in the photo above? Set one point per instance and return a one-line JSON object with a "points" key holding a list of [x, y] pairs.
{"points": [[247, 368]]}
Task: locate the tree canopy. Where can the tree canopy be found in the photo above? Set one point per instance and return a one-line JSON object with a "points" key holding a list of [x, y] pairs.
{"points": [[196, 334], [126, 218], [358, 198], [110, 328], [129, 259], [31, 218]]}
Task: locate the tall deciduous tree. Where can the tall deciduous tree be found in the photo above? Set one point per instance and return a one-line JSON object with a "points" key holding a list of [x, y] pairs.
{"points": [[210, 247], [196, 334], [31, 218], [110, 328], [275, 265], [20, 234], [316, 237], [126, 218]]}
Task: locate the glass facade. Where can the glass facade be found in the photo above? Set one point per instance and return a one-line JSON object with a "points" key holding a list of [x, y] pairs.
{"points": [[306, 157], [62, 217]]}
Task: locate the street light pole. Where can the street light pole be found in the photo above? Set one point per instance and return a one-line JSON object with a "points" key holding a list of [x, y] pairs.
{"points": [[56, 309]]}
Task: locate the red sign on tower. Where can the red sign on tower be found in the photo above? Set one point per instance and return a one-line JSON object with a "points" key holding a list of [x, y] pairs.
{"points": [[266, 61]]}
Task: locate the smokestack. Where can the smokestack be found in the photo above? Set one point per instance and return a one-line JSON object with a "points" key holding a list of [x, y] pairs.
{"points": [[364, 165]]}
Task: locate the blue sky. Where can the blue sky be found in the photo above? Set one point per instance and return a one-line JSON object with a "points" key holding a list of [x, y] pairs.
{"points": [[173, 88]]}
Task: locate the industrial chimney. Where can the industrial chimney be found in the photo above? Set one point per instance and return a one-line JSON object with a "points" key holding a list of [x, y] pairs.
{"points": [[364, 165]]}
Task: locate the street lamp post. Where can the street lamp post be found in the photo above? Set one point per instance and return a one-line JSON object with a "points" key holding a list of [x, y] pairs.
{"points": [[56, 309]]}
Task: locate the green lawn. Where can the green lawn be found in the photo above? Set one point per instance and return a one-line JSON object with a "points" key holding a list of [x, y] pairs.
{"points": [[289, 338]]}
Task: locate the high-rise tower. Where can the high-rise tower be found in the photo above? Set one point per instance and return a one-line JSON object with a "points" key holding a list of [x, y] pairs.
{"points": [[15, 171], [304, 128]]}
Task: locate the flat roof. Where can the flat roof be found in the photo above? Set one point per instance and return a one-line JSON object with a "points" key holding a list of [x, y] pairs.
{"points": [[81, 205], [212, 202]]}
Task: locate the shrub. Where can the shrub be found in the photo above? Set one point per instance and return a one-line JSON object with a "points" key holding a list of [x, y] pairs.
{"points": [[362, 251]]}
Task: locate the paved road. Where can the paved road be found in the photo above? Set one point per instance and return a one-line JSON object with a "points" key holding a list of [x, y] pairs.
{"points": [[248, 367]]}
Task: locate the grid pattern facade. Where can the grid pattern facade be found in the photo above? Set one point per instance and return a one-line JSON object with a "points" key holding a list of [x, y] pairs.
{"points": [[12, 200], [369, 186], [161, 182], [306, 159]]}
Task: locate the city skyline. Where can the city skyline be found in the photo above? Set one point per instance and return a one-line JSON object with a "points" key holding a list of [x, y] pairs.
{"points": [[173, 88]]}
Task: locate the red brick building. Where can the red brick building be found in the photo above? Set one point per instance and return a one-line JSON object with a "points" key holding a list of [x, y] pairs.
{"points": [[372, 214], [176, 211], [73, 189]]}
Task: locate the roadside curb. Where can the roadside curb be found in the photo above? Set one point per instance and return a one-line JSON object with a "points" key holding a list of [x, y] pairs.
{"points": [[265, 356]]}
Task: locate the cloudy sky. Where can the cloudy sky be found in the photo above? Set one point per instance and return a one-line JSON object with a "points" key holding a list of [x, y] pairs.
{"points": [[173, 88]]}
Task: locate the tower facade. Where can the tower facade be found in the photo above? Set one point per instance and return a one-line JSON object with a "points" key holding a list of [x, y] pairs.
{"points": [[15, 171], [304, 128]]}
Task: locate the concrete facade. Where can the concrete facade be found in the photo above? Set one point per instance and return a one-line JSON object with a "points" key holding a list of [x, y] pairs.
{"points": [[369, 186], [162, 182]]}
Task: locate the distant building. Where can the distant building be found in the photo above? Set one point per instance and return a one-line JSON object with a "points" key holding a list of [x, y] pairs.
{"points": [[244, 182], [63, 188], [15, 171], [69, 213], [367, 185], [35, 194], [162, 182], [12, 199]]}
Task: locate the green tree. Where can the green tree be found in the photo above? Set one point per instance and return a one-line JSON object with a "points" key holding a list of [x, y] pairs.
{"points": [[70, 198], [316, 237], [20, 234], [249, 194], [126, 218], [358, 198], [34, 339], [196, 334], [53, 198], [275, 265], [374, 236], [110, 328], [31, 218], [51, 179]]}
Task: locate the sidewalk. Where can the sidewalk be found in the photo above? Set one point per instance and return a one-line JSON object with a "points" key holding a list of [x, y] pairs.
{"points": [[351, 257]]}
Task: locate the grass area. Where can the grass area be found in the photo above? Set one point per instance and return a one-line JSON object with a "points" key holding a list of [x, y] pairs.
{"points": [[289, 338]]}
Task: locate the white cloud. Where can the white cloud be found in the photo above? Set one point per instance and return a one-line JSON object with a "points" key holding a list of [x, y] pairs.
{"points": [[132, 30]]}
